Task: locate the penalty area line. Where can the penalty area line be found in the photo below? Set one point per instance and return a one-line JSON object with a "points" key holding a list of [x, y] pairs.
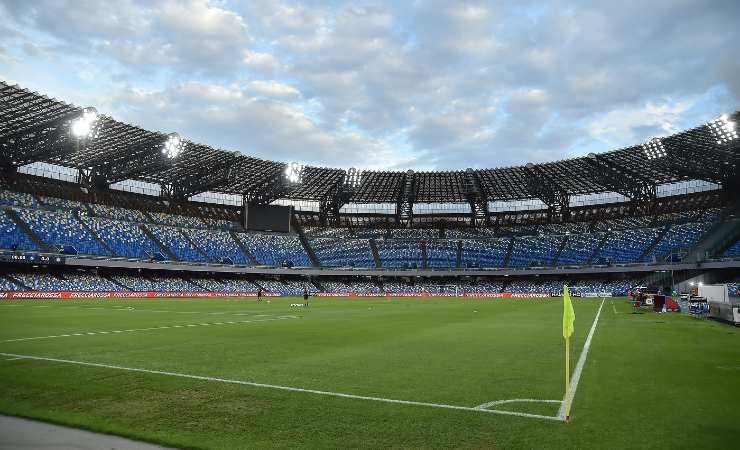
{"points": [[581, 362], [284, 388]]}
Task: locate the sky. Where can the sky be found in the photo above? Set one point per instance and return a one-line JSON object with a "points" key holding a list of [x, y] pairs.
{"points": [[424, 85]]}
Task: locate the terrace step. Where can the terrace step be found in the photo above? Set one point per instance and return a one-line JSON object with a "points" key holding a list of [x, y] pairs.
{"points": [[245, 251], [194, 245], [17, 281], [719, 237], [652, 245], [117, 283], [159, 243], [509, 249], [598, 248], [560, 250], [376, 255], [304, 242], [15, 217], [95, 235]]}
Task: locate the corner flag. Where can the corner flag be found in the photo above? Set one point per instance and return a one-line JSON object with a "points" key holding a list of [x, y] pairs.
{"points": [[568, 318], [568, 315]]}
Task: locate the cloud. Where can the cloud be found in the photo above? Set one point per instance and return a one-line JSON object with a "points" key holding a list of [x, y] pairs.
{"points": [[191, 35], [432, 84], [262, 62], [233, 118], [637, 124]]}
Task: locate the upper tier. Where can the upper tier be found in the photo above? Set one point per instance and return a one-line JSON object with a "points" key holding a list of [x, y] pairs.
{"points": [[36, 128]]}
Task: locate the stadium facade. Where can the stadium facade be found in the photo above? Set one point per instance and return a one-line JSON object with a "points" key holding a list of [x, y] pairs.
{"points": [[90, 204]]}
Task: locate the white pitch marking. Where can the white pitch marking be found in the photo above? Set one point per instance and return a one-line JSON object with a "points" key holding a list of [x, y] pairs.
{"points": [[581, 362], [15, 359], [131, 330], [515, 400], [287, 388], [138, 309]]}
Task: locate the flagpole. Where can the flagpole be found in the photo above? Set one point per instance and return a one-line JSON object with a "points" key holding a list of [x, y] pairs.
{"points": [[567, 378]]}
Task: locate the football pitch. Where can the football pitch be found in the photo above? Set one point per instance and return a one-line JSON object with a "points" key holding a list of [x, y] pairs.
{"points": [[370, 373]]}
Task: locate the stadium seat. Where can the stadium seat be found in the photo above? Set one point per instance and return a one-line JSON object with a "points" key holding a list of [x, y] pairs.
{"points": [[12, 237], [125, 238], [275, 249], [61, 229], [342, 252]]}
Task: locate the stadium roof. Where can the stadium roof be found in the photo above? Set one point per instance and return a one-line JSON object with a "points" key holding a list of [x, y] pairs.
{"points": [[35, 128]]}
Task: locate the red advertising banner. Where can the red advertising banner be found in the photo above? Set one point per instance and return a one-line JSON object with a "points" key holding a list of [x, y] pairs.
{"points": [[435, 294], [128, 294], [73, 295]]}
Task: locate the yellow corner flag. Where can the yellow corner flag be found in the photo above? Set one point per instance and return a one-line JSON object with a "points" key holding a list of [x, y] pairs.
{"points": [[568, 315], [568, 318]]}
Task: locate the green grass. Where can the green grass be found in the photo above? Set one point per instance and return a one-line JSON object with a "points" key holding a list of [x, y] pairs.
{"points": [[650, 381]]}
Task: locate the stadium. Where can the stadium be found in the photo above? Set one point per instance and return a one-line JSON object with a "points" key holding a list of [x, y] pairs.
{"points": [[175, 293]]}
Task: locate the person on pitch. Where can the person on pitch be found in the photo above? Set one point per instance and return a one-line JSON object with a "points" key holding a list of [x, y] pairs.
{"points": [[259, 294], [305, 296]]}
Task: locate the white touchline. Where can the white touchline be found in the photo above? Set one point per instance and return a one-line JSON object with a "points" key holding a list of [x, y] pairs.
{"points": [[581, 362], [139, 309], [286, 388], [163, 327]]}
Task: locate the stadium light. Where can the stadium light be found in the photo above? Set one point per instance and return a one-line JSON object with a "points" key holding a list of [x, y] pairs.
{"points": [[294, 172], [82, 127], [723, 129], [353, 177], [173, 146], [654, 149]]}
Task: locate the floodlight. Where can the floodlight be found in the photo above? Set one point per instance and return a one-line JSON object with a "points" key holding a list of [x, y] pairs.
{"points": [[294, 172], [173, 146], [353, 177], [723, 129], [82, 127], [654, 149]]}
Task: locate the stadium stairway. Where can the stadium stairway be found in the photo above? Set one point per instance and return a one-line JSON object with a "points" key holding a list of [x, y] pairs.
{"points": [[18, 282], [159, 243], [458, 256], [376, 255], [559, 251], [597, 249], [198, 285], [13, 215], [722, 235], [195, 246], [123, 287], [149, 218], [509, 249], [94, 234], [304, 242], [318, 285], [655, 242], [243, 248], [424, 260]]}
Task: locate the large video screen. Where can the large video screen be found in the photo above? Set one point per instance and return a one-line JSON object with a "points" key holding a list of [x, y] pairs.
{"points": [[267, 218]]}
